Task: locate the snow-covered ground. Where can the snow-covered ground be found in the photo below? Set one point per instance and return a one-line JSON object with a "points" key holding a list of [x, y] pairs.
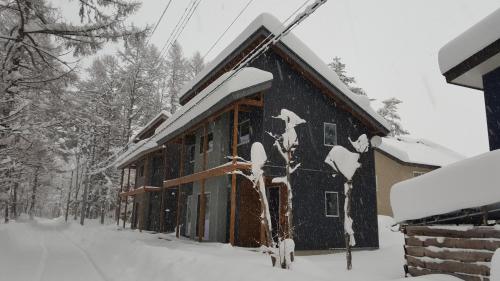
{"points": [[54, 251]]}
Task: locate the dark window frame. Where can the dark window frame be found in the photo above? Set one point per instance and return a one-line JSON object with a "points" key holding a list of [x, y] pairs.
{"points": [[325, 134], [326, 204]]}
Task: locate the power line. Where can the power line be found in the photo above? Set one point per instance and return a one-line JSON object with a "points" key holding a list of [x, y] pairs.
{"points": [[177, 26], [159, 20], [255, 52], [223, 33]]}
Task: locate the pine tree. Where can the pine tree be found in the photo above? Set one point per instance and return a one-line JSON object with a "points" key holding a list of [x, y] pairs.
{"points": [[178, 74], [349, 81], [196, 65], [390, 113]]}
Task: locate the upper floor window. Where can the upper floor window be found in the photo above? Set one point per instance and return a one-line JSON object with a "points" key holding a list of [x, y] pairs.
{"points": [[331, 204], [141, 171], [330, 134], [244, 132], [210, 139]]}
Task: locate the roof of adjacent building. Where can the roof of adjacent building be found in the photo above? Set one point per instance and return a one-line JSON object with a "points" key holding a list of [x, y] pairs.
{"points": [[419, 151], [475, 52], [470, 183], [298, 48]]}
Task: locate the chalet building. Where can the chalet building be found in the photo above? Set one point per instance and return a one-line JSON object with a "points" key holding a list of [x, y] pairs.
{"points": [[184, 164], [401, 158]]}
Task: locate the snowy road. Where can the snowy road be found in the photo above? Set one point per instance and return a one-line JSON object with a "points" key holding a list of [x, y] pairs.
{"points": [[41, 252], [51, 250]]}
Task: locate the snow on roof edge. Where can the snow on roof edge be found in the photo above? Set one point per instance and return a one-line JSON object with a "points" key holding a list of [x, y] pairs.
{"points": [[469, 42], [470, 183], [221, 88], [273, 25], [419, 151]]}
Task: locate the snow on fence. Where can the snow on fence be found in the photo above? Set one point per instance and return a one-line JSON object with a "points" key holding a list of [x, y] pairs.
{"points": [[463, 251]]}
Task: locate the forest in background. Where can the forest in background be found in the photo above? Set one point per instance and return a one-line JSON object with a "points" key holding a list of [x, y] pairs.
{"points": [[63, 124]]}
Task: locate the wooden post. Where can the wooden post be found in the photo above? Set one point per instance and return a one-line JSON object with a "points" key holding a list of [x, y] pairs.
{"points": [[181, 173], [232, 221], [145, 197], [201, 218], [162, 192], [126, 198], [118, 211]]}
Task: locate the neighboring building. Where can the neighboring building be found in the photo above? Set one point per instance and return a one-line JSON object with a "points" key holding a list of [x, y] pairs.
{"points": [[450, 216], [473, 60], [401, 158], [184, 180]]}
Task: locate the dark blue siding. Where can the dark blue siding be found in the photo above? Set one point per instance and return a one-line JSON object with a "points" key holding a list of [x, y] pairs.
{"points": [[313, 230], [491, 84]]}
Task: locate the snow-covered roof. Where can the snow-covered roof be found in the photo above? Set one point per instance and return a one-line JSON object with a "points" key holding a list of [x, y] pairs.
{"points": [[163, 114], [468, 44], [134, 151], [246, 82], [470, 183], [227, 88], [419, 151], [293, 43]]}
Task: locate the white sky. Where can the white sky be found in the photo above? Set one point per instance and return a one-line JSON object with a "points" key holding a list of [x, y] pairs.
{"points": [[390, 46]]}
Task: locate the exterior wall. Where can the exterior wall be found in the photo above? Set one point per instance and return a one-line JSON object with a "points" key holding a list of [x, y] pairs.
{"points": [[217, 187], [389, 172], [491, 83], [313, 229]]}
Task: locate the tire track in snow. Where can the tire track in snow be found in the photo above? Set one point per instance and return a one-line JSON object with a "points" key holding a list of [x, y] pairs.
{"points": [[86, 256], [43, 259]]}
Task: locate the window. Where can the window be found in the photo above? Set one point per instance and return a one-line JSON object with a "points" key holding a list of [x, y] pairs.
{"points": [[417, 173], [330, 134], [331, 204], [244, 132], [210, 141], [191, 150], [141, 171]]}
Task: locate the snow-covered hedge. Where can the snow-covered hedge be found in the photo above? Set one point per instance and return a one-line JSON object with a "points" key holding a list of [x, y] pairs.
{"points": [[470, 183]]}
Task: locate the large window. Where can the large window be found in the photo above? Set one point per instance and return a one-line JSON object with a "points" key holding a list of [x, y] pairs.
{"points": [[330, 134], [210, 140], [331, 204], [244, 132]]}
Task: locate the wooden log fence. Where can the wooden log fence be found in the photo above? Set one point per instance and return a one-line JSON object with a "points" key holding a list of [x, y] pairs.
{"points": [[461, 251]]}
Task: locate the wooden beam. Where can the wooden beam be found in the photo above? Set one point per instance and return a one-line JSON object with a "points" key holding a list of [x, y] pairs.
{"points": [[181, 172], [201, 218], [232, 221], [140, 190], [251, 102], [210, 173]]}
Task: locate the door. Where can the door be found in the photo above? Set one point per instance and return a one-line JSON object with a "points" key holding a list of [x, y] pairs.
{"points": [[207, 216], [248, 215]]}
